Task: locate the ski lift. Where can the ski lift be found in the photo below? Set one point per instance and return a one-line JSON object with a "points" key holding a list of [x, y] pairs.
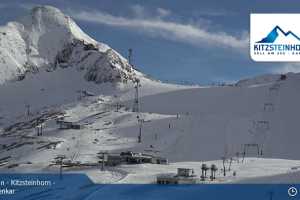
{"points": [[268, 107], [261, 125], [249, 146]]}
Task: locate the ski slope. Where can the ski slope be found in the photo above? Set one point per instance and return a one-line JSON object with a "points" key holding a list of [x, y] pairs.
{"points": [[188, 125]]}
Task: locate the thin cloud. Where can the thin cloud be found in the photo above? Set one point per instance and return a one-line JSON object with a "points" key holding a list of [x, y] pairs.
{"points": [[141, 12], [170, 30], [163, 12], [138, 10]]}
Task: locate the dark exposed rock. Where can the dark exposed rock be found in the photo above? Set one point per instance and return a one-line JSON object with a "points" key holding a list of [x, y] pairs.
{"points": [[107, 67]]}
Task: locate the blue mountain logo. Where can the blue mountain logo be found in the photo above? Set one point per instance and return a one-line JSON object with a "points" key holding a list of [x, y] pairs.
{"points": [[273, 35]]}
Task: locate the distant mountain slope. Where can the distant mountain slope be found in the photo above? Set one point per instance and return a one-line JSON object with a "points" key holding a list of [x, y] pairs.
{"points": [[218, 118], [259, 80], [47, 39]]}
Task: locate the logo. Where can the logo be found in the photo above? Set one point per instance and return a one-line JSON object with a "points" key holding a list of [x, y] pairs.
{"points": [[292, 191], [275, 37]]}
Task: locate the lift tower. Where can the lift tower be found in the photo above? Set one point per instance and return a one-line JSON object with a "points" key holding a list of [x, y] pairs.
{"points": [[136, 103]]}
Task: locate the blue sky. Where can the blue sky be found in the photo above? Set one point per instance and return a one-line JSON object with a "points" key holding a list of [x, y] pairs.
{"points": [[196, 41]]}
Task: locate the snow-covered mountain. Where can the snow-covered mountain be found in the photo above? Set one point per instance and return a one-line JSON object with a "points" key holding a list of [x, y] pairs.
{"points": [[260, 80], [47, 39], [63, 73]]}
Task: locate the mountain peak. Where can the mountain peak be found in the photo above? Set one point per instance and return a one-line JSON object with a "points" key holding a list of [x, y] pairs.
{"points": [[47, 15], [48, 39], [45, 8]]}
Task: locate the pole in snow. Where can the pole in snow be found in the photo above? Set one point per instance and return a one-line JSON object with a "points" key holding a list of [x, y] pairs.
{"points": [[102, 166], [39, 128], [140, 121], [224, 167], [104, 155], [27, 109], [136, 104]]}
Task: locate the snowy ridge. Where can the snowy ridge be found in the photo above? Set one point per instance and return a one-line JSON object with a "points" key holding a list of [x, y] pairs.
{"points": [[259, 80], [47, 39]]}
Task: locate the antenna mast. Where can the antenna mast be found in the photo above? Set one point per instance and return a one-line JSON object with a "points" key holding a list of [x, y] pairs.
{"points": [[130, 56]]}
